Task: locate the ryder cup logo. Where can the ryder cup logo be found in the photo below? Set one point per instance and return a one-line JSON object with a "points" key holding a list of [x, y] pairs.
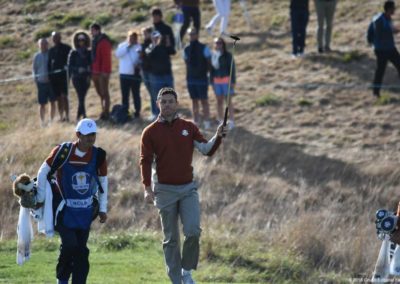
{"points": [[81, 182], [185, 132]]}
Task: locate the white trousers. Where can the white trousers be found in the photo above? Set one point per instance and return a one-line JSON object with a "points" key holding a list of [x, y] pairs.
{"points": [[223, 9]]}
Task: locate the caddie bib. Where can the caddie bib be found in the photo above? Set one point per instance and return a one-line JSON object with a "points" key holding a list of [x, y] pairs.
{"points": [[78, 183]]}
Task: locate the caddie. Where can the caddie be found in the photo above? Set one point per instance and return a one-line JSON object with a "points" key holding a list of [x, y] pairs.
{"points": [[81, 176]]}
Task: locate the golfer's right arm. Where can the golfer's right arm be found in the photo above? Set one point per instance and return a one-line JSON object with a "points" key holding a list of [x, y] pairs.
{"points": [[146, 160]]}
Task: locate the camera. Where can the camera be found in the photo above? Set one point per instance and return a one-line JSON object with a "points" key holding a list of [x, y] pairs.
{"points": [[386, 221]]}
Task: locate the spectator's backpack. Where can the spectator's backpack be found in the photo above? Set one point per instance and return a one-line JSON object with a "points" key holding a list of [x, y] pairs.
{"points": [[119, 114]]}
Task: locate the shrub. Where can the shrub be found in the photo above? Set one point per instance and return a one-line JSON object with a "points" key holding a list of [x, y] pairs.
{"points": [[267, 100], [304, 102], [103, 19], [6, 41], [139, 17], [352, 55], [44, 32], [25, 54]]}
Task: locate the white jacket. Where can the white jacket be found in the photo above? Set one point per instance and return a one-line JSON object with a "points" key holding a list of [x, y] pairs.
{"points": [[129, 57]]}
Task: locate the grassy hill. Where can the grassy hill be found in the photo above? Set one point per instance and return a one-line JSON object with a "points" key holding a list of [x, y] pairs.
{"points": [[312, 158]]}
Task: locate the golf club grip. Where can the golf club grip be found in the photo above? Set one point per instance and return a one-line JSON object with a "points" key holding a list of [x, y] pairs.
{"points": [[225, 119], [225, 116]]}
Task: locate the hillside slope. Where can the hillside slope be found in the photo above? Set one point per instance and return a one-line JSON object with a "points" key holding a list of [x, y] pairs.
{"points": [[311, 159]]}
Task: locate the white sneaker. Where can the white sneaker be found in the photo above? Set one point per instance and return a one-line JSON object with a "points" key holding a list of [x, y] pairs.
{"points": [[187, 277]]}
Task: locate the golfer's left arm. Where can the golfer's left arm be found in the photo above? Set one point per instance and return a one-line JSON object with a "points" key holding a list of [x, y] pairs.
{"points": [[209, 147]]}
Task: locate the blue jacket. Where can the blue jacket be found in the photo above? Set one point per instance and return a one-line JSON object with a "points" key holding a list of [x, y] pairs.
{"points": [[380, 33]]}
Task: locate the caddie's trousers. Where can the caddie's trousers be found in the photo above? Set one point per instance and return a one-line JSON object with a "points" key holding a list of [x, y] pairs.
{"points": [[179, 202]]}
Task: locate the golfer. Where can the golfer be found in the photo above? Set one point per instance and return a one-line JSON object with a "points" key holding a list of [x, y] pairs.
{"points": [[169, 142]]}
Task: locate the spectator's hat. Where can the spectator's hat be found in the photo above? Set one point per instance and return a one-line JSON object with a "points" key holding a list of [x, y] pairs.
{"points": [[86, 126], [155, 34], [81, 36]]}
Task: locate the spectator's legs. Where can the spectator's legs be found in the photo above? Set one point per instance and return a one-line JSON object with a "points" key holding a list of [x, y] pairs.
{"points": [[125, 84], [101, 82], [81, 86], [195, 109], [225, 12], [295, 33], [52, 110], [381, 62], [137, 101], [320, 8], [303, 30], [196, 16], [42, 114], [329, 15], [186, 21], [104, 83], [216, 17]]}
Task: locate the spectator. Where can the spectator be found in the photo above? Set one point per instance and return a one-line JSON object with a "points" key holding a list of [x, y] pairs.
{"points": [[191, 12], [197, 57], [128, 53], [325, 12], [221, 61], [299, 20], [101, 67], [79, 62], [160, 67], [380, 34], [146, 32], [169, 143], [223, 10], [41, 77], [168, 39], [58, 57]]}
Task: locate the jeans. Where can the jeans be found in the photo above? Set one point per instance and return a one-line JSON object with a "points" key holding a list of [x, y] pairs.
{"points": [[299, 21], [81, 85], [74, 255], [131, 83], [382, 58], [157, 82]]}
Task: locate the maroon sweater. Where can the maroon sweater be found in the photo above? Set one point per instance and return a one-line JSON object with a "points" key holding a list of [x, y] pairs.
{"points": [[171, 145]]}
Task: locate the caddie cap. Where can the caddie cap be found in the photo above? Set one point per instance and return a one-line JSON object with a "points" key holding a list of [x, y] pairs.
{"points": [[86, 126]]}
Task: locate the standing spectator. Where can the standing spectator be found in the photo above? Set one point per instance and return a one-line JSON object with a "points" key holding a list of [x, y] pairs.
{"points": [[325, 12], [160, 67], [169, 142], [41, 77], [79, 179], [101, 67], [299, 20], [128, 53], [191, 12], [146, 33], [58, 57], [380, 34], [197, 57], [79, 62], [223, 10], [168, 38], [221, 60]]}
